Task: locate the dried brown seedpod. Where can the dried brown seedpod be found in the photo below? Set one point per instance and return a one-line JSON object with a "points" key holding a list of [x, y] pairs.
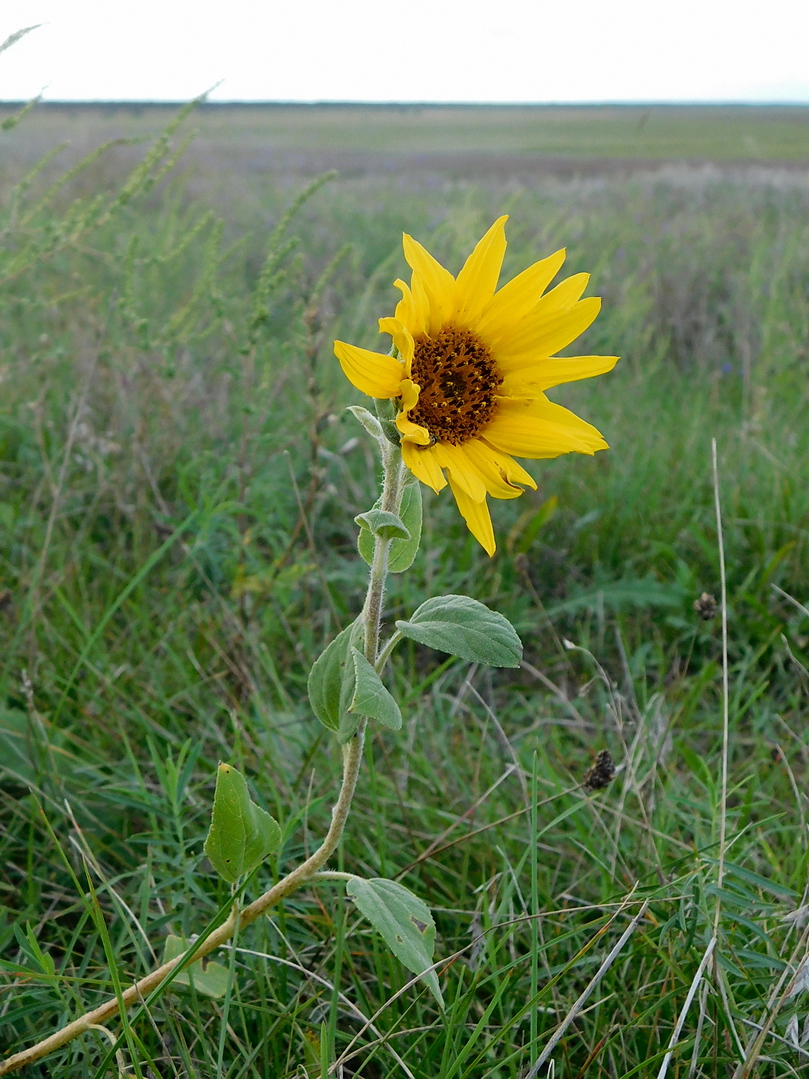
{"points": [[706, 606], [601, 774]]}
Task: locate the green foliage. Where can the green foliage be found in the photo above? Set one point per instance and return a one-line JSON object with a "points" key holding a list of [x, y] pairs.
{"points": [[402, 920], [12, 39], [383, 524], [331, 679], [344, 687], [242, 834], [403, 550], [369, 698], [464, 627], [368, 421], [206, 976]]}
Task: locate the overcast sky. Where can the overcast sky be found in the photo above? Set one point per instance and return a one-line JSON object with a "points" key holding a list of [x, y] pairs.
{"points": [[417, 50]]}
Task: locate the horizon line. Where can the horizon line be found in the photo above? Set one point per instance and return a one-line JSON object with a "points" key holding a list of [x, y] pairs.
{"points": [[357, 103]]}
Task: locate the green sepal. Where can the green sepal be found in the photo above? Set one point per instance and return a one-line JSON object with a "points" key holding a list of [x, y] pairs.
{"points": [[382, 523], [466, 628], [242, 834], [368, 697], [402, 551], [205, 975], [328, 674], [403, 921]]}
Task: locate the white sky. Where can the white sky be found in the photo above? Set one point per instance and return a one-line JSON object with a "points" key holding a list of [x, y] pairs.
{"points": [[408, 50]]}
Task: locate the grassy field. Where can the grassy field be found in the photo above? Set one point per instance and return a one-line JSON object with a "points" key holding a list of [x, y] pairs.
{"points": [[178, 482], [283, 138]]}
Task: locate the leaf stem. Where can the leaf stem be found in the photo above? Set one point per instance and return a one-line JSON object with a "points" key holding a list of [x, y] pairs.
{"points": [[386, 649], [306, 871]]}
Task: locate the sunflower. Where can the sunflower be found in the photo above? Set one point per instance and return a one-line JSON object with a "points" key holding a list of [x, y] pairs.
{"points": [[469, 368]]}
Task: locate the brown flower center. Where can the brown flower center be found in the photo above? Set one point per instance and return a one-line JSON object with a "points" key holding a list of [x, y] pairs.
{"points": [[458, 379]]}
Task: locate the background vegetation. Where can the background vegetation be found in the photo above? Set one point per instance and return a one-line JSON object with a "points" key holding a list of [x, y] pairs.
{"points": [[178, 481]]}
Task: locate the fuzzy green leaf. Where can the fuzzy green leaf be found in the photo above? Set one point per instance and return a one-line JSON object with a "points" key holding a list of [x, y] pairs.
{"points": [[329, 671], [368, 421], [402, 920], [402, 551], [206, 976], [463, 627], [242, 834], [383, 524], [368, 698]]}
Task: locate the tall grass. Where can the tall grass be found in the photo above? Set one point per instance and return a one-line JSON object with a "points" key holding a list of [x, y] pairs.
{"points": [[179, 479]]}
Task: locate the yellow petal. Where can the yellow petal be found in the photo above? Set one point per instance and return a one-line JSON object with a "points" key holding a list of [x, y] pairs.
{"points": [[545, 411], [500, 473], [370, 372], [476, 515], [518, 297], [564, 295], [402, 339], [409, 392], [461, 470], [437, 283], [541, 374], [411, 432], [478, 279], [541, 428], [543, 334], [422, 463], [422, 302], [409, 313], [552, 305]]}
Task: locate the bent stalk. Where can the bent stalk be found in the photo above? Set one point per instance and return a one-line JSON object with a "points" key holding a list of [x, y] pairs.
{"points": [[352, 759]]}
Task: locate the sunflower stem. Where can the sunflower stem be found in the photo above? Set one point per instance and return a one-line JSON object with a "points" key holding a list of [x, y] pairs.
{"points": [[392, 488], [309, 870]]}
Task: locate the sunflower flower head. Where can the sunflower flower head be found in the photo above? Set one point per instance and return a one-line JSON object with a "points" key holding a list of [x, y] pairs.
{"points": [[469, 370]]}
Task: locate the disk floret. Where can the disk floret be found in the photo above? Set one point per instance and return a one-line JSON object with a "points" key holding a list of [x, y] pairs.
{"points": [[458, 379]]}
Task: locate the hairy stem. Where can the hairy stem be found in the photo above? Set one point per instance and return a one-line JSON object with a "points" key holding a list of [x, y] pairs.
{"points": [[306, 871], [352, 757], [393, 485]]}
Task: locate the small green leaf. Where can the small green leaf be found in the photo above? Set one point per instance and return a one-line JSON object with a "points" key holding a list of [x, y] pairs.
{"points": [[402, 551], [344, 687], [206, 976], [383, 524], [368, 698], [327, 675], [402, 920], [242, 834], [463, 627], [368, 421]]}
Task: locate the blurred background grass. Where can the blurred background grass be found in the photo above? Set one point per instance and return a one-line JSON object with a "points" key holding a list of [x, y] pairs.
{"points": [[179, 478]]}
